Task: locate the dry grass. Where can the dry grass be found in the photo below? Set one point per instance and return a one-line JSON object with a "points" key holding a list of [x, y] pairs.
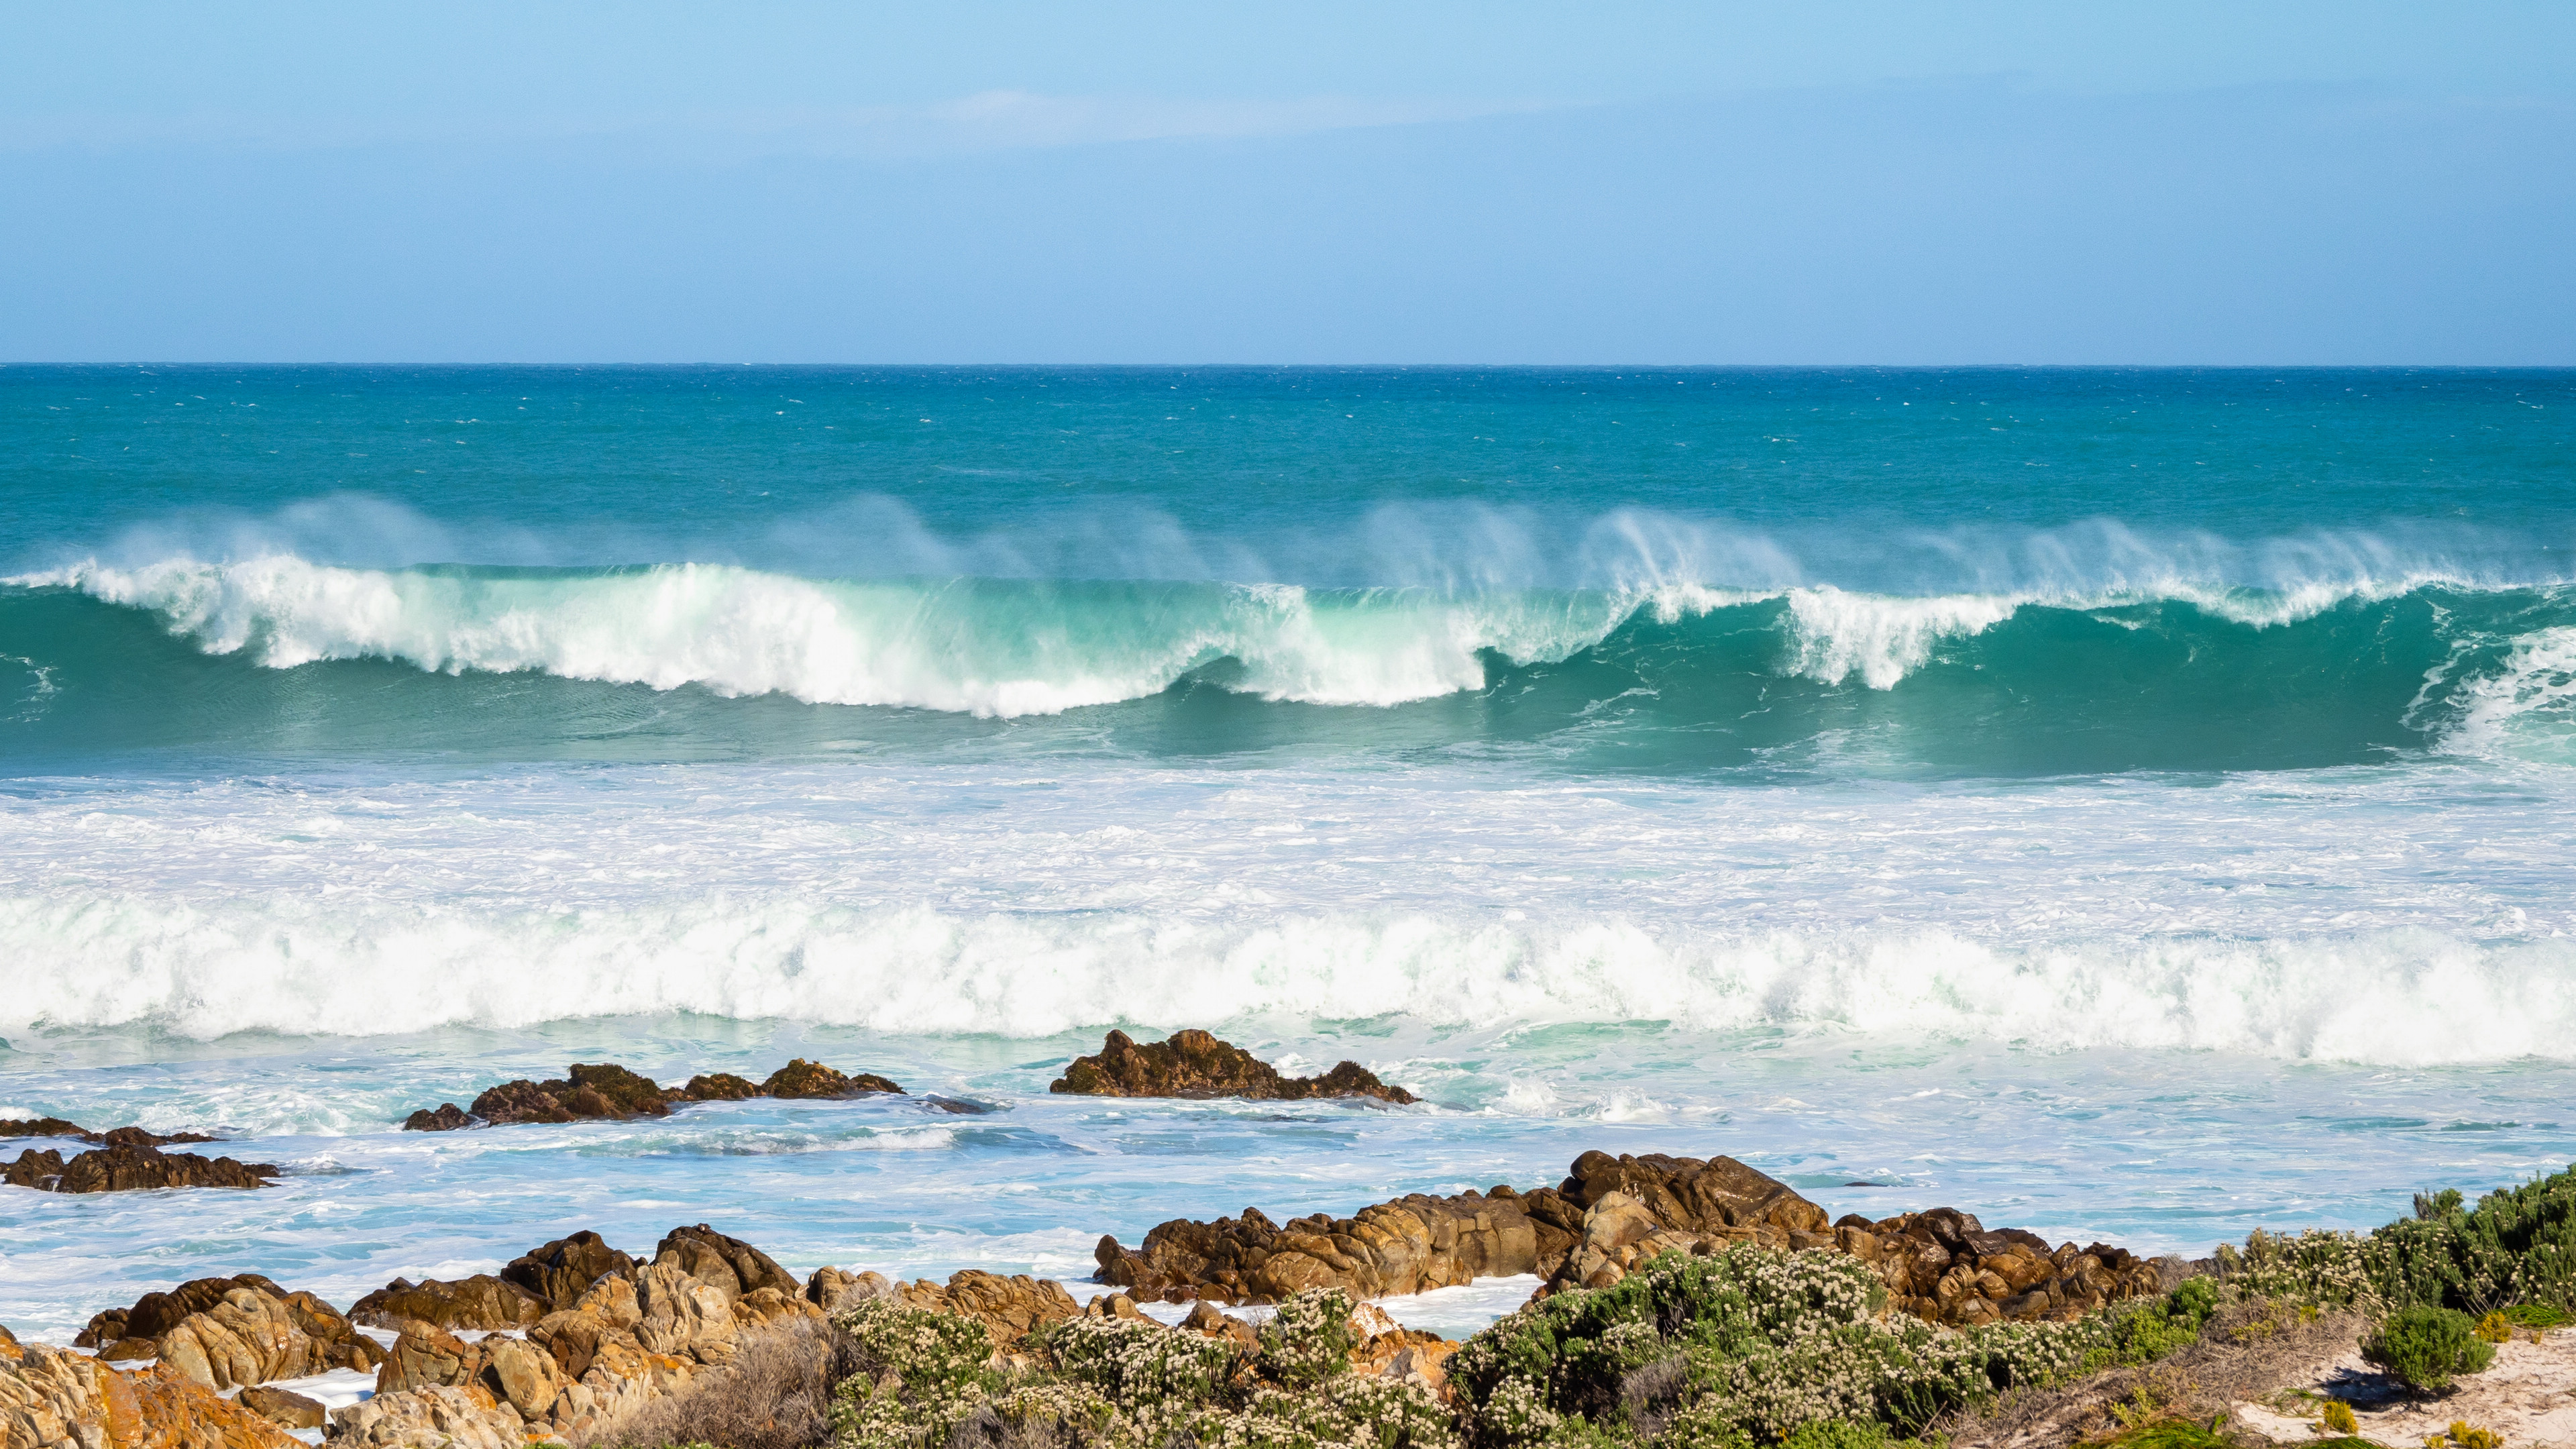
{"points": [[2250, 1351], [775, 1394]]}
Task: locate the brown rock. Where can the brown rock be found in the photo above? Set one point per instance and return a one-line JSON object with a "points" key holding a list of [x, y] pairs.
{"points": [[442, 1415], [1009, 1307], [832, 1288], [426, 1356], [719, 1087], [480, 1302], [560, 1272], [448, 1118], [1194, 1064], [729, 1265], [601, 1092], [253, 1335], [43, 1127], [804, 1080], [1404, 1246], [129, 1168], [282, 1407]]}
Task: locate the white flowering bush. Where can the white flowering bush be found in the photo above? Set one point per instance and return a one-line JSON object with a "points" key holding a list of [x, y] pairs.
{"points": [[1309, 1340], [918, 1375], [2327, 1269]]}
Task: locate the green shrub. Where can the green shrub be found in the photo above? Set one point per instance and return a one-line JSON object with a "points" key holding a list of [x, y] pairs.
{"points": [[2324, 1269], [2426, 1348], [2518, 1245], [2170, 1434]]}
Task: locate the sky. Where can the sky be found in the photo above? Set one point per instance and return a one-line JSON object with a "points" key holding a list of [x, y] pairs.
{"points": [[1899, 183]]}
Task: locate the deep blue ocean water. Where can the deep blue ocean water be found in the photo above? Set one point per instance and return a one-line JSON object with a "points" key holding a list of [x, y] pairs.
{"points": [[2131, 804]]}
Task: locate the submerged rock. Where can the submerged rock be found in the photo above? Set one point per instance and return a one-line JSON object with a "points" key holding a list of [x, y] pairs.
{"points": [[801, 1080], [112, 1137], [606, 1092], [44, 1127], [130, 1168], [1192, 1063], [448, 1118]]}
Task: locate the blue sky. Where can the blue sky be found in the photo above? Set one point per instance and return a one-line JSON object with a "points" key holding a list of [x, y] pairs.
{"points": [[1900, 183]]}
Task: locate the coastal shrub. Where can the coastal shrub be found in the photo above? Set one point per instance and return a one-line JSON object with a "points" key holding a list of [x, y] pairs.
{"points": [[1752, 1346], [2338, 1417], [1138, 1364], [2426, 1348], [774, 1393], [1309, 1339], [915, 1376], [2319, 1268], [2517, 1246]]}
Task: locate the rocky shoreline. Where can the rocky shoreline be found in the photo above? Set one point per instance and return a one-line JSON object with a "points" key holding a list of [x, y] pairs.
{"points": [[606, 1092]]}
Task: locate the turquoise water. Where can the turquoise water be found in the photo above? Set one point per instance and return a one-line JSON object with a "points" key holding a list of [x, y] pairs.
{"points": [[2121, 803]]}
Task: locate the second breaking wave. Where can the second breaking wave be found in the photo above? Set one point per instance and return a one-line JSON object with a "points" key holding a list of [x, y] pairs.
{"points": [[280, 653]]}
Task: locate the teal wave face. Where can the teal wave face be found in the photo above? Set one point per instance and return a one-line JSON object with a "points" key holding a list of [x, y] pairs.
{"points": [[692, 662]]}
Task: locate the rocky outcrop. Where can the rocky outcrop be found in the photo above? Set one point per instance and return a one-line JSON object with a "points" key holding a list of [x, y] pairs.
{"points": [[53, 1398], [1406, 1246], [447, 1118], [801, 1080], [1945, 1266], [609, 1093], [1609, 1215], [589, 1093], [557, 1274], [1007, 1306], [225, 1333], [1195, 1064], [112, 1137], [729, 1265], [480, 1303], [719, 1087], [129, 1168]]}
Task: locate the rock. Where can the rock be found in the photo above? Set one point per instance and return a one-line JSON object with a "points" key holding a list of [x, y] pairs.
{"points": [[832, 1289], [425, 1356], [51, 1398], [560, 1272], [112, 1137], [282, 1407], [1008, 1307], [718, 1087], [43, 1127], [729, 1265], [442, 1417], [130, 1168], [591, 1093], [804, 1080], [1405, 1246], [480, 1302], [250, 1333], [1193, 1064], [447, 1118]]}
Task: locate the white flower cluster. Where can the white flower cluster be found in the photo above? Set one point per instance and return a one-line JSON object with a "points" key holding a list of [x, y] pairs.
{"points": [[2334, 1270]]}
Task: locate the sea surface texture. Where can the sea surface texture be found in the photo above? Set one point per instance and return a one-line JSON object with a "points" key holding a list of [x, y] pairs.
{"points": [[2129, 805]]}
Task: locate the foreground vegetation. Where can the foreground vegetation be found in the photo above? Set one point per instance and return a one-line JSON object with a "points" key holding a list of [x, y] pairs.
{"points": [[1739, 1349]]}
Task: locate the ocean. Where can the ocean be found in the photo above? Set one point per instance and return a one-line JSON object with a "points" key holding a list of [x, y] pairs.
{"points": [[2131, 805]]}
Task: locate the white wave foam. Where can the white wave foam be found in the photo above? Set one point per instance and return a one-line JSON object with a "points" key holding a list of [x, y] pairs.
{"points": [[292, 967], [985, 649], [2526, 708], [1835, 635]]}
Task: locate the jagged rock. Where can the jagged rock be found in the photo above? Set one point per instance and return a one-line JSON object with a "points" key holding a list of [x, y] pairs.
{"points": [[283, 1407], [560, 1272], [229, 1332], [480, 1302], [729, 1265], [718, 1087], [426, 1356], [1406, 1246], [438, 1417], [448, 1118], [832, 1289], [1194, 1064], [50, 1398], [804, 1080], [112, 1137], [1009, 1307], [129, 1168], [600, 1092]]}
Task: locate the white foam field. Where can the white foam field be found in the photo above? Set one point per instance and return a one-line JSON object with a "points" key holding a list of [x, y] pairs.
{"points": [[1031, 647], [2395, 996]]}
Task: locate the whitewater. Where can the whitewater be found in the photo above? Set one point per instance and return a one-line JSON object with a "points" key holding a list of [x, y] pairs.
{"points": [[2127, 805]]}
